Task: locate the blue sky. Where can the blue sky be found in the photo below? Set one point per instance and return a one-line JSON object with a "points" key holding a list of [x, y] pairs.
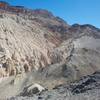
{"points": [[73, 11]]}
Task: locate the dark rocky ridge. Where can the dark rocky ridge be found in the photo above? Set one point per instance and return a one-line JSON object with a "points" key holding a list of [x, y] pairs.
{"points": [[87, 83], [88, 29]]}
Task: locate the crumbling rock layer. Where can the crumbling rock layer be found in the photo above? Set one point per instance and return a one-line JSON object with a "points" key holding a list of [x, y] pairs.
{"points": [[25, 42], [35, 39]]}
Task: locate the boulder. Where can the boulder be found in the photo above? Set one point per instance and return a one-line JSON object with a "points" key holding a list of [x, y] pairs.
{"points": [[32, 89]]}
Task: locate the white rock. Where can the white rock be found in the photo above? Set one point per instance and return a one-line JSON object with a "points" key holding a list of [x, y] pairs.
{"points": [[40, 88]]}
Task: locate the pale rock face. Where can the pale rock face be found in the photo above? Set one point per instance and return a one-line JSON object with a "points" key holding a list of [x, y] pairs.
{"points": [[87, 42], [27, 44], [86, 55], [23, 41]]}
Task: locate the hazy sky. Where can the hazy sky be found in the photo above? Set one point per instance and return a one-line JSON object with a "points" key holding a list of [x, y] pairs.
{"points": [[73, 11]]}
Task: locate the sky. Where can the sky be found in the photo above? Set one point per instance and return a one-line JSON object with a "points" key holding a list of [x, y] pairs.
{"points": [[72, 11]]}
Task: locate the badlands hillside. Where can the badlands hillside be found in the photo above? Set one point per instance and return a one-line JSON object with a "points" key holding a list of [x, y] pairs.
{"points": [[37, 47]]}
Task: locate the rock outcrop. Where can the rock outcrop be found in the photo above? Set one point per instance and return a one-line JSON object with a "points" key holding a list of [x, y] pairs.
{"points": [[32, 89], [86, 83]]}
